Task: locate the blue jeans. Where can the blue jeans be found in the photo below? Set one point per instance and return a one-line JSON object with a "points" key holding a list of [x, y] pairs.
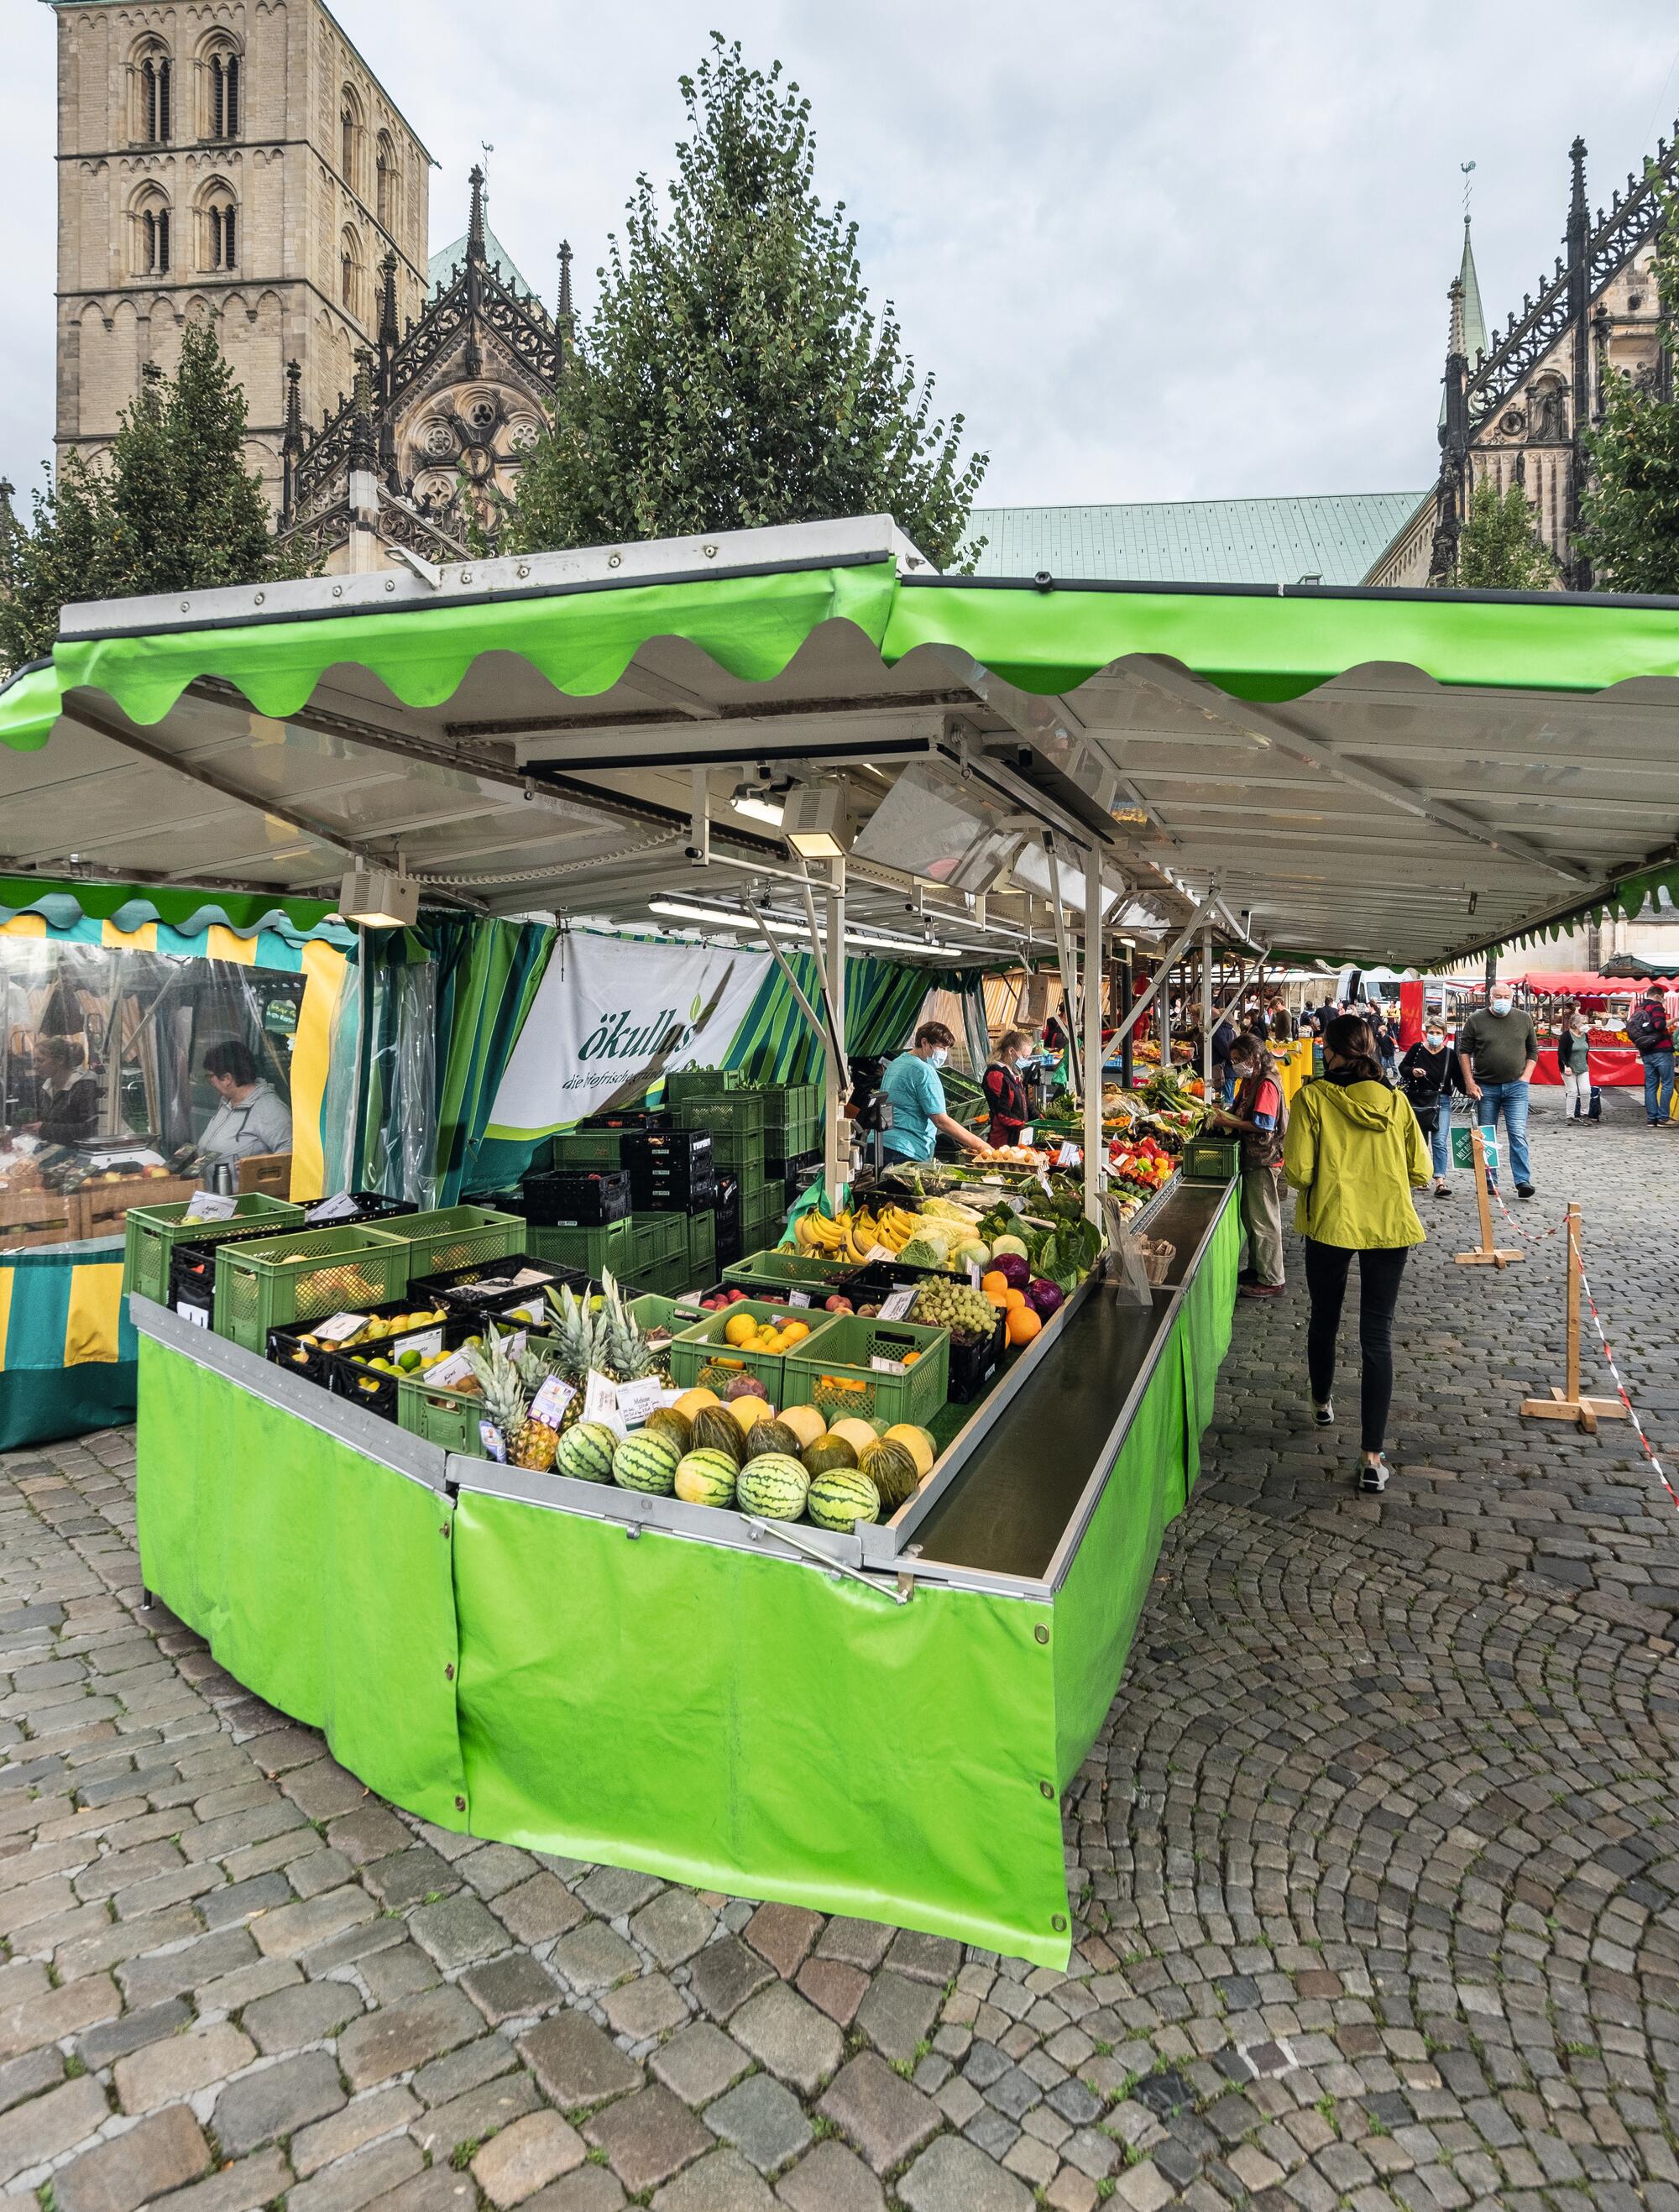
{"points": [[1440, 1144], [1513, 1099], [1658, 1084]]}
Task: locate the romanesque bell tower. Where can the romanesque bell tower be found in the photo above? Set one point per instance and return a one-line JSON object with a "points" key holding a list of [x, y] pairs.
{"points": [[233, 157]]}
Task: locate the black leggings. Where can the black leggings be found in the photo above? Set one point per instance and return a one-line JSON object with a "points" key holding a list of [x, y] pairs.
{"points": [[1380, 1270]]}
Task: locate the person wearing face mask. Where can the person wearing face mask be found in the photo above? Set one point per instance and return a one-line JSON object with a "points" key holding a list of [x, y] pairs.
{"points": [[1354, 1154], [1498, 1050], [1010, 1113], [911, 1082], [1258, 1113], [1573, 1065], [1428, 1075]]}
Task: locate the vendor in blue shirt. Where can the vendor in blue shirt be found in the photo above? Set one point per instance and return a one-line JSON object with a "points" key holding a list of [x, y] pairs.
{"points": [[911, 1082]]}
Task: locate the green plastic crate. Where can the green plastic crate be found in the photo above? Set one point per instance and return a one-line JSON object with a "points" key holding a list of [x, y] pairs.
{"points": [[798, 1271], [652, 1311], [590, 1148], [259, 1285], [761, 1225], [696, 1349], [737, 1114], [792, 1119], [702, 1237], [620, 1248], [152, 1233], [458, 1237], [666, 1235], [690, 1083], [1211, 1159], [833, 1372]]}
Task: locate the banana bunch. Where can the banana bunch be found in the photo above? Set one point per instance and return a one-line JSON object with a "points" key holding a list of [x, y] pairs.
{"points": [[849, 1236], [895, 1228]]}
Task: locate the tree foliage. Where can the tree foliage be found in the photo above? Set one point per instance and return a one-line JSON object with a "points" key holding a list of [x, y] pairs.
{"points": [[1498, 550], [733, 373], [1629, 512], [172, 507]]}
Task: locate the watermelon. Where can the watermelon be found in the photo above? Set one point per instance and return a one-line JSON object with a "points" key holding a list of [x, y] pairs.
{"points": [[772, 1437], [645, 1460], [586, 1452], [773, 1484], [827, 1455], [891, 1469], [706, 1478], [667, 1421], [716, 1430], [842, 1498]]}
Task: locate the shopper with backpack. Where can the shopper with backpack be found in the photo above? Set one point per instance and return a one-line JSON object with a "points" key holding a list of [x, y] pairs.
{"points": [[1651, 1035]]}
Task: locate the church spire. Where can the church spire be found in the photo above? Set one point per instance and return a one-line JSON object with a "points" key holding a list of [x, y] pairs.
{"points": [[363, 447], [1451, 496], [291, 444], [1577, 569], [565, 321], [475, 225], [1474, 319]]}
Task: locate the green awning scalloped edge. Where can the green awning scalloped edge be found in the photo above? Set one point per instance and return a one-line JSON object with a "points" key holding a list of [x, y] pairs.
{"points": [[129, 906]]}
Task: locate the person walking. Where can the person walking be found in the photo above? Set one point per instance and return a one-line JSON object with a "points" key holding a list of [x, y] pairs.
{"points": [[1259, 1115], [1006, 1092], [1428, 1076], [1573, 1063], [1650, 1036], [1498, 1050], [1354, 1154]]}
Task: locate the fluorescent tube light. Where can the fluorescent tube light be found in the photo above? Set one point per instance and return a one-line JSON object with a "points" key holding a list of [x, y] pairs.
{"points": [[760, 809]]}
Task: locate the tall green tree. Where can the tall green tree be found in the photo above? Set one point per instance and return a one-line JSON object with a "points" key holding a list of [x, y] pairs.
{"points": [[733, 373], [1498, 550], [1629, 512], [172, 507]]}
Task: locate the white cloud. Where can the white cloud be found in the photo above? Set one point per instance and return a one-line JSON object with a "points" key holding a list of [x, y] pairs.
{"points": [[1151, 252]]}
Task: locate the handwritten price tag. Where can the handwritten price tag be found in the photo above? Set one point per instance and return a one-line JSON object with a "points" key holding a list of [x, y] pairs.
{"points": [[798, 1298], [636, 1400], [449, 1374], [896, 1305], [550, 1401], [209, 1206], [341, 1325], [600, 1401], [423, 1340], [1068, 1156], [888, 1366], [341, 1208]]}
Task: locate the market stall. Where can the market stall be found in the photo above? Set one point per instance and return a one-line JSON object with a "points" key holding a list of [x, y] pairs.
{"points": [[1605, 1001], [956, 774]]}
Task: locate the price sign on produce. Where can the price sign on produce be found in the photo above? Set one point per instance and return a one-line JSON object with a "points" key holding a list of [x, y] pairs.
{"points": [[341, 1208], [887, 1366], [798, 1298], [449, 1374], [341, 1325], [199, 1315], [636, 1400], [879, 1252], [896, 1305], [209, 1206], [550, 1401], [600, 1401], [973, 1274], [1068, 1156]]}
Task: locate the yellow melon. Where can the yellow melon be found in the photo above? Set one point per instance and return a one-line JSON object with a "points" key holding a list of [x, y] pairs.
{"points": [[916, 1442], [856, 1433], [694, 1401], [749, 1412], [805, 1422]]}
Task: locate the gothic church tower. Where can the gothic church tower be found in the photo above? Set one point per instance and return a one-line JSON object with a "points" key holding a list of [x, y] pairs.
{"points": [[233, 157]]}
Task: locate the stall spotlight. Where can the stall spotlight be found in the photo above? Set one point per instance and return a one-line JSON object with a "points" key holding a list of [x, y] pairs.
{"points": [[380, 898], [816, 821], [758, 805]]}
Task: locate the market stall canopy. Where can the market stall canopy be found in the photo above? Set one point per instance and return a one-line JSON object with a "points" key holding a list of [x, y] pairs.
{"points": [[1561, 984], [1408, 776]]}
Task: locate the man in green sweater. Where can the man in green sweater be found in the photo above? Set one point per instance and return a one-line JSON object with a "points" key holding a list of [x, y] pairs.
{"points": [[1498, 1050]]}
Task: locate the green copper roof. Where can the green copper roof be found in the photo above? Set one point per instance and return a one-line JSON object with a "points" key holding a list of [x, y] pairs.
{"points": [[494, 250], [1335, 537]]}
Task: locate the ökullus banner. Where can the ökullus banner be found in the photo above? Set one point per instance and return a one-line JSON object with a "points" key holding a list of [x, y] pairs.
{"points": [[610, 1013]]}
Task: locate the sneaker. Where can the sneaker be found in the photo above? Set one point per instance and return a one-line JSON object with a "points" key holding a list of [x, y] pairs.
{"points": [[1373, 1480], [1323, 1414], [1525, 1190], [1261, 1290]]}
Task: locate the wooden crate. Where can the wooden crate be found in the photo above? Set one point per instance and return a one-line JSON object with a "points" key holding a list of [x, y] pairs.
{"points": [[103, 1205], [267, 1172], [29, 1218]]}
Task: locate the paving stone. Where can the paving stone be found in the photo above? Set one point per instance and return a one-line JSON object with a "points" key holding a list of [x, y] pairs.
{"points": [[897, 2015], [274, 2103], [590, 2189], [783, 1934], [726, 1974], [402, 2036], [368, 2178], [833, 1988], [648, 2137], [576, 2063], [307, 2012], [880, 2111], [616, 1891], [789, 2036], [673, 1927], [362, 2121], [457, 1930], [832, 2178], [409, 1876], [925, 1958], [25, 2077], [372, 1832], [161, 2153], [514, 1987], [526, 2157], [700, 2062], [763, 2120], [859, 1942], [536, 1910], [954, 2175], [464, 2067], [593, 1957], [724, 2182], [475, 2116], [242, 2186], [47, 2126], [102, 2047], [292, 1929], [168, 2072], [34, 2020]]}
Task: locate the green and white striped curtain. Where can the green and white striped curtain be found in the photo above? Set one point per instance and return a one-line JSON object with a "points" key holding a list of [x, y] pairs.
{"points": [[777, 1044]]}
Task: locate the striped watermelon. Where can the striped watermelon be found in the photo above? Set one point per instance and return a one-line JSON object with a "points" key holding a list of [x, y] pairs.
{"points": [[647, 1461], [774, 1483], [586, 1452], [841, 1498], [706, 1478]]}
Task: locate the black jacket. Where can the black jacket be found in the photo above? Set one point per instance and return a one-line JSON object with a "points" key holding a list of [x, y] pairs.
{"points": [[1428, 1076], [1008, 1097]]}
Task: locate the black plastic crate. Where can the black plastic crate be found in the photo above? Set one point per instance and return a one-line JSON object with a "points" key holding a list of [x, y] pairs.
{"points": [[370, 1205], [317, 1362], [636, 1119], [656, 1193], [192, 1271], [689, 1148], [486, 1291], [973, 1365], [577, 1199]]}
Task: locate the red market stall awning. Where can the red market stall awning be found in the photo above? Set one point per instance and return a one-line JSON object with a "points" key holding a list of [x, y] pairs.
{"points": [[1564, 985]]}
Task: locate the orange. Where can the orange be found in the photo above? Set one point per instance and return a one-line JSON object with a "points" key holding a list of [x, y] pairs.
{"points": [[1024, 1324], [994, 1284], [1013, 1300]]}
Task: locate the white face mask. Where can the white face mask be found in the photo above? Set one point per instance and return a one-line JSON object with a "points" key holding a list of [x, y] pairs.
{"points": [[940, 1054], [1500, 1005], [1435, 1040]]}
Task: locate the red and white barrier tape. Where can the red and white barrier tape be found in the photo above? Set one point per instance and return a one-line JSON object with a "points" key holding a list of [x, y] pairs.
{"points": [[1578, 1260]]}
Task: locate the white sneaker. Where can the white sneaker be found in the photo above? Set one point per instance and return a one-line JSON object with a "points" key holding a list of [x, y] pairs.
{"points": [[1323, 1414], [1374, 1480]]}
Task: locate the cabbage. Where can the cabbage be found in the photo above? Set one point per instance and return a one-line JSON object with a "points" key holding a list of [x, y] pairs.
{"points": [[922, 1252], [1002, 1244], [1042, 1298], [1014, 1271]]}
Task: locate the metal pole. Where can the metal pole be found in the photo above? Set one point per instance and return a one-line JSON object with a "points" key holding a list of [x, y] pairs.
{"points": [[1096, 1157], [1157, 988], [837, 1137], [1128, 983], [1206, 1005], [1164, 979], [1064, 958]]}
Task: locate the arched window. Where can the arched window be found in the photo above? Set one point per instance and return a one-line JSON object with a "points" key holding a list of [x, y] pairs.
{"points": [[349, 275], [152, 251], [221, 231], [350, 133], [387, 195], [223, 87], [154, 94]]}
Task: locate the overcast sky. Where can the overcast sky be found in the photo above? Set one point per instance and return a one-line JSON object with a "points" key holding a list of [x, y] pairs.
{"points": [[1151, 251]]}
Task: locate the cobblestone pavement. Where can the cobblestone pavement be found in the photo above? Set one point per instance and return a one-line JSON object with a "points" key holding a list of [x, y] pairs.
{"points": [[1376, 1861]]}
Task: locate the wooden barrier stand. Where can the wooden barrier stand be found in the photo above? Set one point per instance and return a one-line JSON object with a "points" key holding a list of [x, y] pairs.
{"points": [[1486, 1254], [1566, 1404]]}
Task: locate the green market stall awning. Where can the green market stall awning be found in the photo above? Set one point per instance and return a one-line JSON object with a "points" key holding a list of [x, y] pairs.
{"points": [[1408, 776]]}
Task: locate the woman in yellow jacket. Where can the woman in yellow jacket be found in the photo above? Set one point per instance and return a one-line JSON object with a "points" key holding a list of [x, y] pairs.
{"points": [[1355, 1153]]}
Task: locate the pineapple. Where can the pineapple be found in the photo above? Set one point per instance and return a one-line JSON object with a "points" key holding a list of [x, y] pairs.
{"points": [[577, 1335], [508, 1384], [629, 1355]]}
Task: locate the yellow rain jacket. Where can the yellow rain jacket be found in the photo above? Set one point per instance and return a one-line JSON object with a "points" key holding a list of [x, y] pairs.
{"points": [[1355, 1153]]}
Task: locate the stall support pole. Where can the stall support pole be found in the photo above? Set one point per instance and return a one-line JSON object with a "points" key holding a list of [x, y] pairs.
{"points": [[1486, 1253], [1163, 980], [1096, 1159], [1206, 1007], [1566, 1404], [836, 1138], [1069, 981], [1127, 984]]}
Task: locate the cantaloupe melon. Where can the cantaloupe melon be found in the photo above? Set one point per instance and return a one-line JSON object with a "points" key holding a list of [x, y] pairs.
{"points": [[692, 1403], [918, 1442], [859, 1434], [749, 1412], [805, 1421]]}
